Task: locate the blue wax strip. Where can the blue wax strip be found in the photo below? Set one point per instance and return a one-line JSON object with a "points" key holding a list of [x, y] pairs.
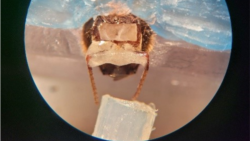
{"points": [[202, 22]]}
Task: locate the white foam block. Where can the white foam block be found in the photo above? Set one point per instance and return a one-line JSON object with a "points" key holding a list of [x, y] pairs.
{"points": [[124, 120]]}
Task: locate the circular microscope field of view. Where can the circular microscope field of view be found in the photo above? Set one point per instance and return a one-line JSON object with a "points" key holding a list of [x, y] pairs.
{"points": [[173, 53]]}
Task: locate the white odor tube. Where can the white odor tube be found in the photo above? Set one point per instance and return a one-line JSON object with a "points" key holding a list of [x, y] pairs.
{"points": [[123, 120]]}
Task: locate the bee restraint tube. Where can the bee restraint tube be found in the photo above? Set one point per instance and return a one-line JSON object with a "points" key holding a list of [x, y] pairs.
{"points": [[124, 120]]}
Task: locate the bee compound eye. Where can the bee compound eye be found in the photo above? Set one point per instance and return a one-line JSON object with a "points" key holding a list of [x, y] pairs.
{"points": [[128, 72], [104, 71]]}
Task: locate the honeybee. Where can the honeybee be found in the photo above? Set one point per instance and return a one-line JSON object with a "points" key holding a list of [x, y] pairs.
{"points": [[117, 44]]}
